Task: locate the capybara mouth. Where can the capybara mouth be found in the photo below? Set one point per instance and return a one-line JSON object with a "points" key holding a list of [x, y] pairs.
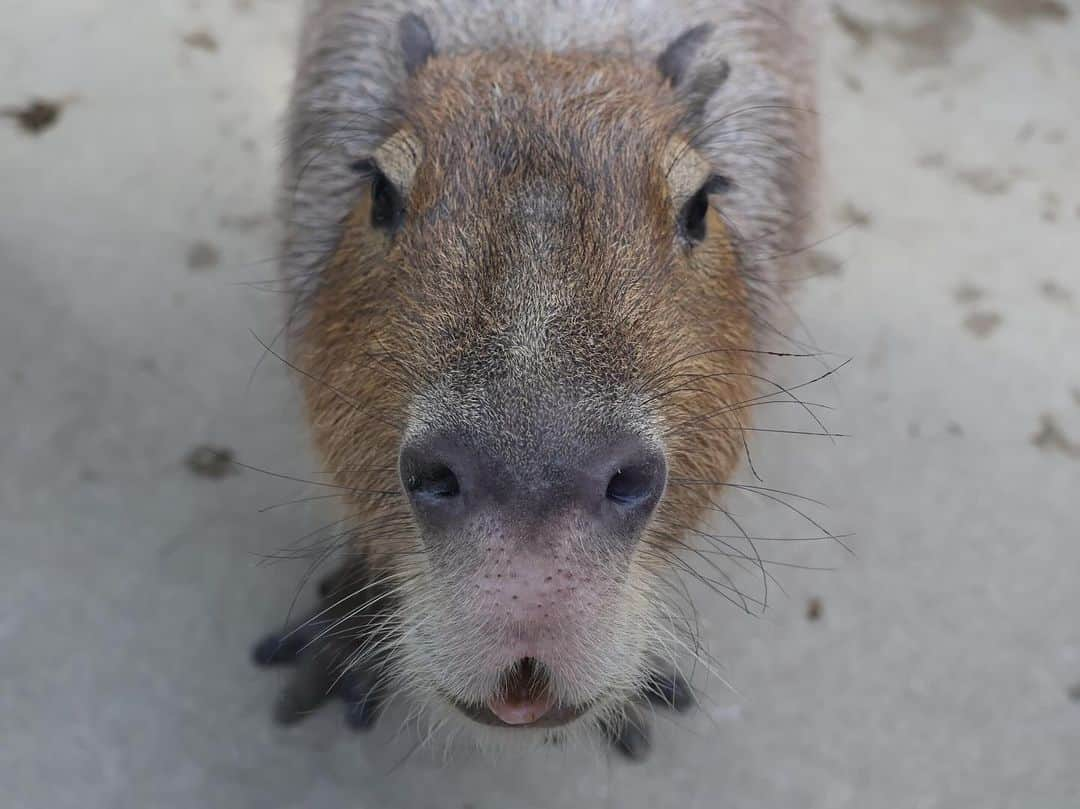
{"points": [[524, 699]]}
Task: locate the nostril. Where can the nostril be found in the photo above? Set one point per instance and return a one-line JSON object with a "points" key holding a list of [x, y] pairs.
{"points": [[436, 481], [631, 485]]}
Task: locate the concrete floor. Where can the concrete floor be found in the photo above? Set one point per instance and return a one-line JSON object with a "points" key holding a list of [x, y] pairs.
{"points": [[134, 232]]}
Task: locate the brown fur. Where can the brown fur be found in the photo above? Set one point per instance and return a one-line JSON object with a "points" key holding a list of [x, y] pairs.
{"points": [[389, 315], [542, 196]]}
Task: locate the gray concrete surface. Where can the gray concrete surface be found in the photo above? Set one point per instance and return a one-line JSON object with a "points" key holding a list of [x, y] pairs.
{"points": [[938, 674]]}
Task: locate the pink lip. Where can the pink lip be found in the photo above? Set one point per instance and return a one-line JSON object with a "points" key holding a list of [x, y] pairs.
{"points": [[516, 711], [526, 698], [550, 717]]}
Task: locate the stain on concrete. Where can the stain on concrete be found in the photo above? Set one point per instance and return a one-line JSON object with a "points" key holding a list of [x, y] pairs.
{"points": [[860, 31], [983, 324], [929, 43], [852, 82], [967, 294], [207, 461], [952, 428], [1051, 206], [879, 351], [944, 25], [35, 117], [1013, 12], [815, 608], [825, 265], [1053, 291], [984, 181], [243, 222], [201, 40], [928, 87], [852, 214], [1052, 438], [1054, 137], [243, 5], [203, 256], [1074, 692], [933, 160], [925, 43]]}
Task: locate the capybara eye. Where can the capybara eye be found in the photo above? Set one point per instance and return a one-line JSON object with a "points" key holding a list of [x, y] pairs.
{"points": [[387, 209], [692, 220], [695, 211]]}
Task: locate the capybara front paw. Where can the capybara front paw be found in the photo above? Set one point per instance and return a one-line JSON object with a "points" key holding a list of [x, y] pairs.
{"points": [[327, 651]]}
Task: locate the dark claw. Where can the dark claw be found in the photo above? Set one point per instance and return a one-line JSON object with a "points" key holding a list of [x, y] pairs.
{"points": [[671, 691], [309, 688], [281, 648], [631, 736], [361, 715], [358, 690], [319, 648]]}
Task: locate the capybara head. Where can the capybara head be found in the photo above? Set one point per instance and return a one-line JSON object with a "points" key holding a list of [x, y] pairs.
{"points": [[525, 362]]}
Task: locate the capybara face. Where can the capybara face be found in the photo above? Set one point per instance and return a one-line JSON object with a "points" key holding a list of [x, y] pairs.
{"points": [[525, 363]]}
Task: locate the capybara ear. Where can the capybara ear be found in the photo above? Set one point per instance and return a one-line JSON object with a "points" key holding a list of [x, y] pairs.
{"points": [[674, 63], [695, 85], [417, 44]]}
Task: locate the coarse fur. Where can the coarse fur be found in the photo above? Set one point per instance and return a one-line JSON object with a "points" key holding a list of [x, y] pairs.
{"points": [[538, 294]]}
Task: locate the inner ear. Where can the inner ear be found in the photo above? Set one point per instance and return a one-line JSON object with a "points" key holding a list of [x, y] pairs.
{"points": [[397, 158], [674, 63], [417, 43], [686, 171], [695, 79]]}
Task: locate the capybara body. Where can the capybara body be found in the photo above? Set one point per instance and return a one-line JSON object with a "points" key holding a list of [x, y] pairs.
{"points": [[535, 250]]}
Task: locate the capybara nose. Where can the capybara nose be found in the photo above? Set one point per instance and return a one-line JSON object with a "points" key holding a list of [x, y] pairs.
{"points": [[450, 480]]}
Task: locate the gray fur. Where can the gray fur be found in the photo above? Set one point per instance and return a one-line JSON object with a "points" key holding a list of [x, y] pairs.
{"points": [[756, 130]]}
